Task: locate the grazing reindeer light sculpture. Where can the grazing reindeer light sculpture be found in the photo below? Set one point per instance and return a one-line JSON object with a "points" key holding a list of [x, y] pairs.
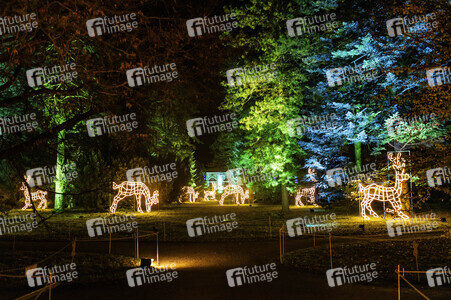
{"points": [[234, 190], [212, 194], [308, 193], [137, 189], [190, 191], [38, 195], [374, 192]]}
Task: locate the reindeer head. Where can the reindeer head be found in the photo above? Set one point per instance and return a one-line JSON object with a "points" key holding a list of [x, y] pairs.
{"points": [[23, 187], [399, 165], [155, 196]]}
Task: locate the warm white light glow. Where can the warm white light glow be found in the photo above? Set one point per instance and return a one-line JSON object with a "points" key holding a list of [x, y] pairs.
{"points": [[190, 191], [374, 192], [234, 190], [308, 193], [211, 194], [38, 195], [137, 189]]}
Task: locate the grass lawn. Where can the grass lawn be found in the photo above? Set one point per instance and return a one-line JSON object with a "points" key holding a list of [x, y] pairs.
{"points": [[432, 253], [170, 220]]}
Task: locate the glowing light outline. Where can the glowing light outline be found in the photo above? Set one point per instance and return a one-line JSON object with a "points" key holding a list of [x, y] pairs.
{"points": [[137, 189]]}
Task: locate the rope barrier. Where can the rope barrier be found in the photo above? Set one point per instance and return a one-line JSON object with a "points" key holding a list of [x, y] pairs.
{"points": [[115, 239], [41, 261], [411, 285]]}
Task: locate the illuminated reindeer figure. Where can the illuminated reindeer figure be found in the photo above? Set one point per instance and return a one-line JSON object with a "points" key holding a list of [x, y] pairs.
{"points": [[137, 189], [38, 195], [308, 193], [190, 191], [234, 190], [212, 194], [374, 192]]}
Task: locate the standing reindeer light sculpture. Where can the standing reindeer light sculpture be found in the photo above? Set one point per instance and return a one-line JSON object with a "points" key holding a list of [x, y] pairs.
{"points": [[375, 192], [211, 194], [38, 195], [137, 189], [187, 190]]}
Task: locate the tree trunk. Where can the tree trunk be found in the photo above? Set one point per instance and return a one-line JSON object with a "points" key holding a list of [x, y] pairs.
{"points": [[60, 176], [358, 154], [285, 205]]}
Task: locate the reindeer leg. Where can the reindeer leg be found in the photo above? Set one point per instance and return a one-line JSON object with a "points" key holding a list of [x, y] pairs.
{"points": [[363, 207], [313, 201], [138, 203], [300, 201], [113, 207], [400, 213], [370, 209]]}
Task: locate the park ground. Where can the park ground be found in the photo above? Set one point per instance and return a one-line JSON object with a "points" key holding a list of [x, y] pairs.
{"points": [[203, 260]]}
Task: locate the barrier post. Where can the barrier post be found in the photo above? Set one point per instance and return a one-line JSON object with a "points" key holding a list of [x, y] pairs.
{"points": [[137, 243], [399, 285], [158, 259], [330, 247]]}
